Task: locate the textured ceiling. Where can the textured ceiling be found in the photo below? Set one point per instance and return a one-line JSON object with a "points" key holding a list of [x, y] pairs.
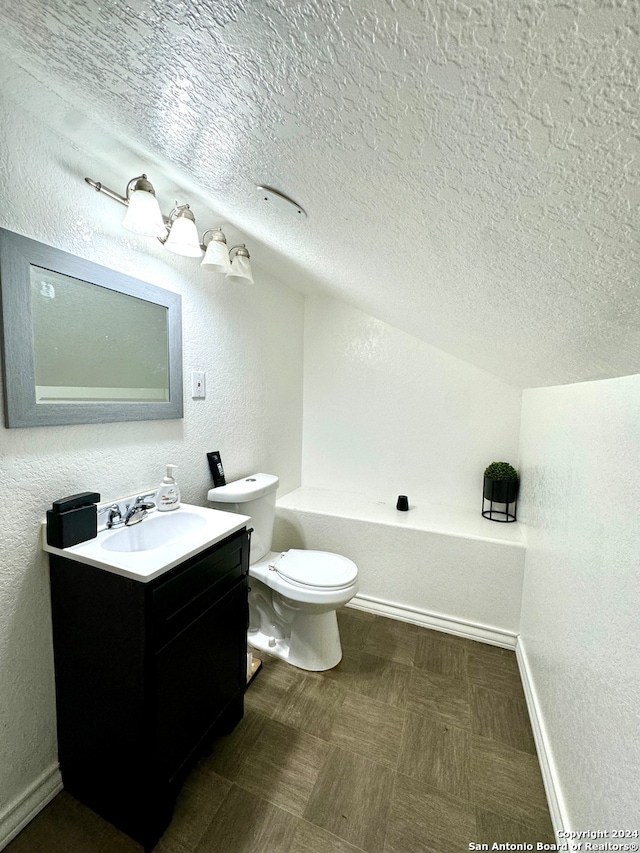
{"points": [[471, 170]]}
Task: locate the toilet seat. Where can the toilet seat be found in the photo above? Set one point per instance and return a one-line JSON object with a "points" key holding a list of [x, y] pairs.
{"points": [[318, 569]]}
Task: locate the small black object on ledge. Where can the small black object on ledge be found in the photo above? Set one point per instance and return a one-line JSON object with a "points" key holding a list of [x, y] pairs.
{"points": [[403, 503], [73, 520]]}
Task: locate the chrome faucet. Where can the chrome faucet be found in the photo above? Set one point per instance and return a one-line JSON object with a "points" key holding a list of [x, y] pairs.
{"points": [[138, 511], [114, 517]]}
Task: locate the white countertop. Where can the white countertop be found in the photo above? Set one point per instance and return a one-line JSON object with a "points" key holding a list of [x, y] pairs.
{"points": [[146, 565]]}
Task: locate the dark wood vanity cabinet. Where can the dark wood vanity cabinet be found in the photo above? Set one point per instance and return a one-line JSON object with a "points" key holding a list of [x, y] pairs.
{"points": [[147, 675]]}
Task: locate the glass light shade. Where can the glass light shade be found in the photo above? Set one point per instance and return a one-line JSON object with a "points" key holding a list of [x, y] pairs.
{"points": [[217, 257], [240, 270], [143, 215], [183, 238]]}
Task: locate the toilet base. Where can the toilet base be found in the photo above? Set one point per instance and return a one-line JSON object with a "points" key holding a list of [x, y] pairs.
{"points": [[313, 645]]}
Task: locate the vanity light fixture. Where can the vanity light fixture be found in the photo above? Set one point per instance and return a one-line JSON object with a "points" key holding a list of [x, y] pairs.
{"points": [[143, 214], [177, 232], [216, 254], [218, 258], [182, 238], [240, 266]]}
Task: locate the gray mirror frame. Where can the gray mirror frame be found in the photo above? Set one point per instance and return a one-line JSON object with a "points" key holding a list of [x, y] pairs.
{"points": [[17, 255]]}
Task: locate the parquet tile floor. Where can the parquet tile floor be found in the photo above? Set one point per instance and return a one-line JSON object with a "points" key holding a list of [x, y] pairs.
{"points": [[417, 742]]}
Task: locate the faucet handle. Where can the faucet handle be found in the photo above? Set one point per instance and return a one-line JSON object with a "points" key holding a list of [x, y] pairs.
{"points": [[114, 513], [141, 499], [108, 508]]}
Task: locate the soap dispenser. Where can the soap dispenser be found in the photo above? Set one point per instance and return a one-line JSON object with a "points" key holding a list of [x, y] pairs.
{"points": [[168, 496]]}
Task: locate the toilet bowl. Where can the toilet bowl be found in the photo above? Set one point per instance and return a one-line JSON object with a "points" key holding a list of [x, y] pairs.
{"points": [[292, 605], [293, 594]]}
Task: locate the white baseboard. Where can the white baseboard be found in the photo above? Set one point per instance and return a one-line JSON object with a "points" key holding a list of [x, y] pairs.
{"points": [[541, 738], [27, 805], [437, 621]]}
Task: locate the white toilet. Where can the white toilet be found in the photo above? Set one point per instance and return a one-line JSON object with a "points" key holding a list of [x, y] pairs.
{"points": [[294, 594]]}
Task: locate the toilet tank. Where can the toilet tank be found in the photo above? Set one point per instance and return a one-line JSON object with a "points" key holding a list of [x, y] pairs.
{"points": [[255, 496]]}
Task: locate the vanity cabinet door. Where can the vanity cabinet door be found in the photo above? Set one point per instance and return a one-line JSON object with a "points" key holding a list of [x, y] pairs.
{"points": [[194, 586], [199, 676], [147, 674]]}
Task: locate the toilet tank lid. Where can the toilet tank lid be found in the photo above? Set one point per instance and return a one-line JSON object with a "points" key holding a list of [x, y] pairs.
{"points": [[248, 489]]}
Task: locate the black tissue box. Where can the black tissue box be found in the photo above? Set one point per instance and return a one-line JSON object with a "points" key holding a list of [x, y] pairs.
{"points": [[73, 520]]}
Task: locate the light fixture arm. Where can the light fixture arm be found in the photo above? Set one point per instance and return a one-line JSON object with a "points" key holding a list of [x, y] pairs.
{"points": [[180, 210], [216, 235], [100, 188], [139, 183], [176, 211]]}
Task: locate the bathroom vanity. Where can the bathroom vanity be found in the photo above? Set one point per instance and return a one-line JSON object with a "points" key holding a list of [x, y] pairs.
{"points": [[148, 673]]}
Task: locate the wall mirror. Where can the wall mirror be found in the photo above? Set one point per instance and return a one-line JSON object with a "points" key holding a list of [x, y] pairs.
{"points": [[82, 343]]}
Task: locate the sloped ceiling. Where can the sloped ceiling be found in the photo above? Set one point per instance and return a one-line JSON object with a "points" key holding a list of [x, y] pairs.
{"points": [[471, 170]]}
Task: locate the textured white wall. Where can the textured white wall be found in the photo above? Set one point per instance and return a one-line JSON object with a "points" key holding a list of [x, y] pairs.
{"points": [[580, 459], [248, 339], [386, 414]]}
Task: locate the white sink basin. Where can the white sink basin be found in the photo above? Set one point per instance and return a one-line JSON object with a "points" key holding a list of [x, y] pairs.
{"points": [[154, 532], [156, 544]]}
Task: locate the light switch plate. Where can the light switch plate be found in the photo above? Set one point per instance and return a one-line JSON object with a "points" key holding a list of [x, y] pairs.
{"points": [[198, 383]]}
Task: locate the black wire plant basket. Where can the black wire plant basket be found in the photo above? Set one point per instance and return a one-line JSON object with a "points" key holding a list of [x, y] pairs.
{"points": [[503, 492]]}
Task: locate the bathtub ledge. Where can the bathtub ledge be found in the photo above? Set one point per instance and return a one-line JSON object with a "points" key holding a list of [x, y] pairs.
{"points": [[424, 516]]}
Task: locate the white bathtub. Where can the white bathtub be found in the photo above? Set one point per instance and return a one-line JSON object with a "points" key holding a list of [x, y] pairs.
{"points": [[441, 567]]}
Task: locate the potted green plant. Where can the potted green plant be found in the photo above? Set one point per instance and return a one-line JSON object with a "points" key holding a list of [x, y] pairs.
{"points": [[501, 482]]}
